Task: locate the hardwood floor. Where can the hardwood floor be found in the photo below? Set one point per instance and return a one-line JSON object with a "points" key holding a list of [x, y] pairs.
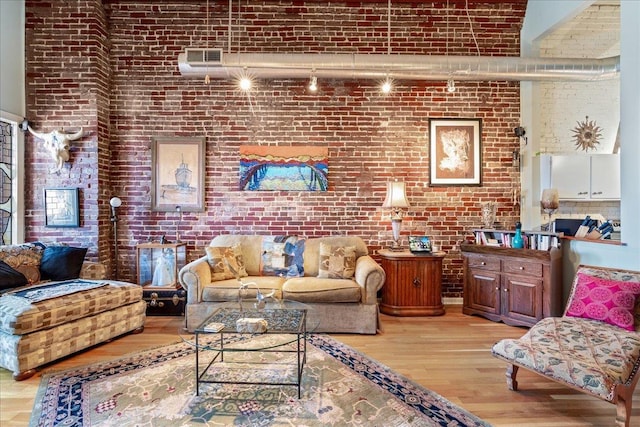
{"points": [[447, 354]]}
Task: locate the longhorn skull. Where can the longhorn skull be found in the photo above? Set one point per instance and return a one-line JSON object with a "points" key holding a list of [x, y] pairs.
{"points": [[57, 143]]}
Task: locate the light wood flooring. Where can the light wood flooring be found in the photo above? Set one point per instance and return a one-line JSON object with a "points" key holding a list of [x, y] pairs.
{"points": [[447, 354]]}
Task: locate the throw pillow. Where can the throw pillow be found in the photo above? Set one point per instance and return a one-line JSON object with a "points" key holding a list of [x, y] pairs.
{"points": [[337, 262], [282, 256], [605, 300], [226, 262], [10, 278], [62, 262], [24, 258]]}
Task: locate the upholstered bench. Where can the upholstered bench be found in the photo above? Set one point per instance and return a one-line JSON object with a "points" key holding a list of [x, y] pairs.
{"points": [[594, 347], [45, 320]]}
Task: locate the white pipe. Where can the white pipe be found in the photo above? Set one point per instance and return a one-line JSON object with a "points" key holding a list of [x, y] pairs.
{"points": [[402, 66]]}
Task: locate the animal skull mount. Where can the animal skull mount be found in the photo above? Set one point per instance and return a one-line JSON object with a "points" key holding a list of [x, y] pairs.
{"points": [[57, 144]]}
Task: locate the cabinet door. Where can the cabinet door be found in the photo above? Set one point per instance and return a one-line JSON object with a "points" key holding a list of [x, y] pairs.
{"points": [[571, 176], [605, 176], [484, 290], [522, 298]]}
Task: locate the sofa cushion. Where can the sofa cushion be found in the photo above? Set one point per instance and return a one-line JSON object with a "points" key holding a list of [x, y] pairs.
{"points": [[226, 262], [313, 289], [282, 256], [227, 290], [312, 250], [250, 246], [24, 258], [10, 278], [61, 262], [336, 262], [605, 300], [22, 318]]}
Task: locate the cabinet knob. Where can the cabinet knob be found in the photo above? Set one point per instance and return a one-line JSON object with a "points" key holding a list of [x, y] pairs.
{"points": [[597, 192], [497, 289], [483, 263], [521, 268], [506, 290], [416, 282]]}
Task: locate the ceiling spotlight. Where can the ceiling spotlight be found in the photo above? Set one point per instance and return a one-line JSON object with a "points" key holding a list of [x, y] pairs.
{"points": [[451, 85], [387, 85], [313, 84], [245, 83]]}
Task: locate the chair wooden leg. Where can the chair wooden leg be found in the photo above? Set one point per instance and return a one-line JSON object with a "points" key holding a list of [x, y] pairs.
{"points": [[512, 371], [623, 408], [21, 376]]}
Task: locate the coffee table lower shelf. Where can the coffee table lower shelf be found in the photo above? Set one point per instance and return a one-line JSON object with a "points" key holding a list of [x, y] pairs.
{"points": [[204, 376]]}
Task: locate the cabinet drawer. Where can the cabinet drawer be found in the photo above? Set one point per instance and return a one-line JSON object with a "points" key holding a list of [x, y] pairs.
{"points": [[485, 263], [523, 267]]}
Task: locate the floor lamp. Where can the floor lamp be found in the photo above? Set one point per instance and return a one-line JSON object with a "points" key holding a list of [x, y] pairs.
{"points": [[115, 202]]}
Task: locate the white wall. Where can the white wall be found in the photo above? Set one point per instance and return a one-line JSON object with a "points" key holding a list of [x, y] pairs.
{"points": [[12, 97], [541, 18]]}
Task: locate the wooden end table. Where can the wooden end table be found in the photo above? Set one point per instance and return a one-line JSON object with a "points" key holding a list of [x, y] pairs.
{"points": [[413, 286]]}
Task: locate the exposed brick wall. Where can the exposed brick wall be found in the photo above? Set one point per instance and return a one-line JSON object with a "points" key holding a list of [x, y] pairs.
{"points": [[371, 138]]}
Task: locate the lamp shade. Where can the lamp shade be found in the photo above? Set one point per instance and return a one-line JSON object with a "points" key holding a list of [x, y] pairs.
{"points": [[396, 196], [115, 202]]}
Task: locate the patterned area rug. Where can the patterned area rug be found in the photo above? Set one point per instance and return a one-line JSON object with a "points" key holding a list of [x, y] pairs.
{"points": [[340, 387]]}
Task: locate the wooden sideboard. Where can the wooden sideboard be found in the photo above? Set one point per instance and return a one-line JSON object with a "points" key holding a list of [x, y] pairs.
{"points": [[516, 286], [413, 286]]}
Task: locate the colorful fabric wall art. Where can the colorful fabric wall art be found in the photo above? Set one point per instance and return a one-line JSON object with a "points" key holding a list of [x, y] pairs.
{"points": [[284, 168]]}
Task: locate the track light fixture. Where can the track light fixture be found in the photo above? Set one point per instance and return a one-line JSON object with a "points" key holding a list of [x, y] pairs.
{"points": [[387, 86], [313, 84], [451, 85]]}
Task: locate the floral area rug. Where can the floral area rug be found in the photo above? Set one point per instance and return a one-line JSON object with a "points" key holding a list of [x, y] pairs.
{"points": [[340, 387]]}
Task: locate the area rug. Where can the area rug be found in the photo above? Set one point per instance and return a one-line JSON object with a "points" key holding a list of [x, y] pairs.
{"points": [[340, 387]]}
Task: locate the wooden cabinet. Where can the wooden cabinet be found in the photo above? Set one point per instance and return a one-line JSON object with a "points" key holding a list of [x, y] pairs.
{"points": [[516, 286], [413, 286], [582, 177]]}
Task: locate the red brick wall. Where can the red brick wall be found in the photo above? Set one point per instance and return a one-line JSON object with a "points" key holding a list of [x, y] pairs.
{"points": [[371, 138]]}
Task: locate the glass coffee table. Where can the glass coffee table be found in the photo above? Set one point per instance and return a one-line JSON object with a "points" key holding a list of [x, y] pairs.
{"points": [[240, 357]]}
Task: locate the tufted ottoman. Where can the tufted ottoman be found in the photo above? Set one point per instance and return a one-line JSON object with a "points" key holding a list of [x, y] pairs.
{"points": [[35, 333]]}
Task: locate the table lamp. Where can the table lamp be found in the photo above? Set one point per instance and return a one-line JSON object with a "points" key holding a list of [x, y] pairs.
{"points": [[396, 200]]}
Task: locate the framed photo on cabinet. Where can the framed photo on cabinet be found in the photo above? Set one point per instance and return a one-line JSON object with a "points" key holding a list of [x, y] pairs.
{"points": [[177, 174], [455, 152]]}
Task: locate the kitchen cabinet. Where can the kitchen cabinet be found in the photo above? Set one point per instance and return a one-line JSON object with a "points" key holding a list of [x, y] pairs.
{"points": [[516, 286], [582, 177]]}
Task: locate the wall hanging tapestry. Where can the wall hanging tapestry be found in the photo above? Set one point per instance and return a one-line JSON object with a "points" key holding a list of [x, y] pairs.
{"points": [[284, 168]]}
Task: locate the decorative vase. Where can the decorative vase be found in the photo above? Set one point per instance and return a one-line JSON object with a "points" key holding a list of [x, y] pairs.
{"points": [[517, 241], [488, 210]]}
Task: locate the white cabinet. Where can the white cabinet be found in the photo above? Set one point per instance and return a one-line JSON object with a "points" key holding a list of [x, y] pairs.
{"points": [[582, 177]]}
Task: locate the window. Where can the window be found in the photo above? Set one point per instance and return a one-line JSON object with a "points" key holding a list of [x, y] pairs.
{"points": [[11, 212]]}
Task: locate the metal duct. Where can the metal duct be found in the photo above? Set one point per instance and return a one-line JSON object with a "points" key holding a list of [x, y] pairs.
{"points": [[400, 66]]}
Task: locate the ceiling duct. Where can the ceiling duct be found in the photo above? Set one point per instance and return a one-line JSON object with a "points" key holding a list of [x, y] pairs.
{"points": [[398, 66]]}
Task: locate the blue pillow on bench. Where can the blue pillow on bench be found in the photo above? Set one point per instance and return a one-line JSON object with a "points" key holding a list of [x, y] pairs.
{"points": [[62, 262], [10, 278]]}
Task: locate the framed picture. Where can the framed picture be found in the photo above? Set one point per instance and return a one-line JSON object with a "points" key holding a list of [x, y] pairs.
{"points": [[61, 207], [455, 151], [177, 174]]}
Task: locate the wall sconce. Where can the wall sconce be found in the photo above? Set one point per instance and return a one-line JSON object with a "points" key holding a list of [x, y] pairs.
{"points": [[395, 200], [515, 159], [115, 203]]}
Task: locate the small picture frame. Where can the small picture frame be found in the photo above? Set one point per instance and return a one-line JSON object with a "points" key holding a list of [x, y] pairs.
{"points": [[455, 152], [61, 206]]}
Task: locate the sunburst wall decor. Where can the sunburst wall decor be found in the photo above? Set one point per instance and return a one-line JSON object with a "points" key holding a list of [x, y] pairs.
{"points": [[587, 134]]}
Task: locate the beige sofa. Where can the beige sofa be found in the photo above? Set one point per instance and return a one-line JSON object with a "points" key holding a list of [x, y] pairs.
{"points": [[337, 304]]}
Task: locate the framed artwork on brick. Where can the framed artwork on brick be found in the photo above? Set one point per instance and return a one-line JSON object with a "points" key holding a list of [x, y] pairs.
{"points": [[177, 174], [61, 207], [455, 152], [290, 168]]}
